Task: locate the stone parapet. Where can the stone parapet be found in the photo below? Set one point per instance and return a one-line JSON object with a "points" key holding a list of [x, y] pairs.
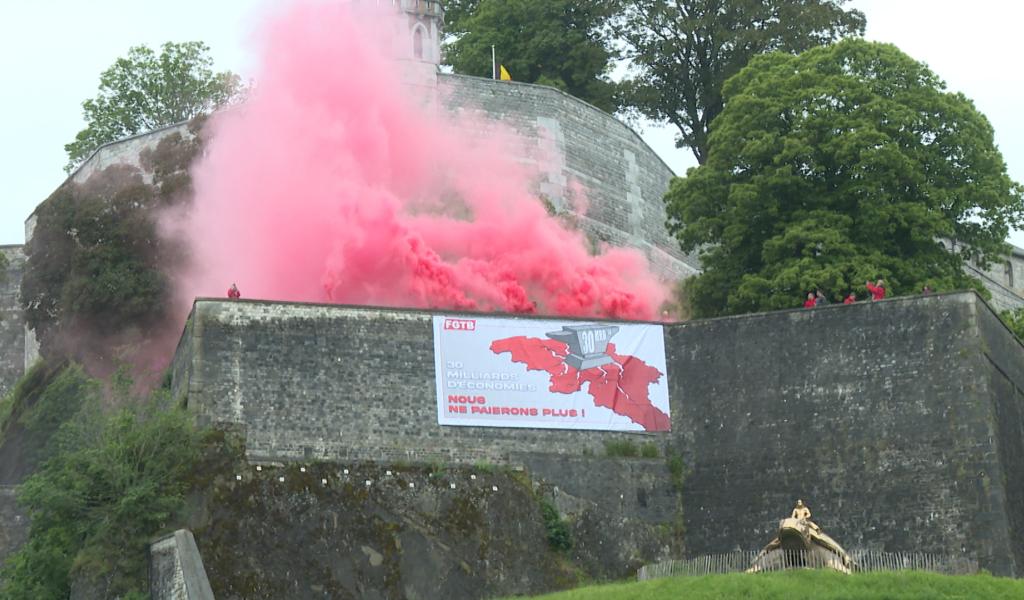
{"points": [[176, 569]]}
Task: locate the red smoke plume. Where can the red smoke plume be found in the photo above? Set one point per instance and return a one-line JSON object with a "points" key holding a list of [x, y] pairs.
{"points": [[336, 183]]}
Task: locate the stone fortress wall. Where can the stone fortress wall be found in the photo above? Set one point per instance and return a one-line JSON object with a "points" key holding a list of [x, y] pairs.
{"points": [[354, 388], [12, 319], [901, 423], [1005, 280], [576, 146]]}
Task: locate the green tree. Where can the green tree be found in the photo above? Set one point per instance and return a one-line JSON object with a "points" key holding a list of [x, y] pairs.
{"points": [[683, 51], [845, 163], [96, 265], [560, 43], [455, 14], [145, 91], [111, 483]]}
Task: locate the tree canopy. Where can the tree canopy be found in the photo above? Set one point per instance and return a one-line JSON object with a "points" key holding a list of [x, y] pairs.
{"points": [[96, 265], [683, 51], [455, 14], [144, 91], [842, 164], [561, 43]]}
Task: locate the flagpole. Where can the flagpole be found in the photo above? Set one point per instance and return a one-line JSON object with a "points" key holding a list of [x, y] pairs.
{"points": [[494, 64]]}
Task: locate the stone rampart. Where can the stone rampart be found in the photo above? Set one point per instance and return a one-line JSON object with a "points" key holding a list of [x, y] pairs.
{"points": [[12, 321], [899, 422], [575, 144], [176, 570], [349, 383]]}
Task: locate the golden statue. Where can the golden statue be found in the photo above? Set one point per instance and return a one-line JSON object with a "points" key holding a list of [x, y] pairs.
{"points": [[801, 511], [801, 543]]}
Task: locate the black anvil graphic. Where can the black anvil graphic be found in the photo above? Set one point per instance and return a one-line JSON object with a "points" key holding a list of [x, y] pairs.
{"points": [[588, 344]]}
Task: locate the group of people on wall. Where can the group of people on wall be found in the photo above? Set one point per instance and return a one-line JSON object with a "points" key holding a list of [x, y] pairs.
{"points": [[876, 291]]}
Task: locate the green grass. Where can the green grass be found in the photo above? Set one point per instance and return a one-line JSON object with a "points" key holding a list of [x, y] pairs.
{"points": [[807, 585]]}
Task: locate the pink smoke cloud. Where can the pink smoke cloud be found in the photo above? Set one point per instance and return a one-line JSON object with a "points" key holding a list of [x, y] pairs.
{"points": [[332, 184]]}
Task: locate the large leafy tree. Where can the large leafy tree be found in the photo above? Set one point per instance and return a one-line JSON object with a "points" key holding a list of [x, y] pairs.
{"points": [[845, 163], [96, 266], [455, 14], [561, 43], [144, 91], [683, 51]]}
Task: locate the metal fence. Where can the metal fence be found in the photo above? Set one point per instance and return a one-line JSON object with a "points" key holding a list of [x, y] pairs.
{"points": [[864, 561]]}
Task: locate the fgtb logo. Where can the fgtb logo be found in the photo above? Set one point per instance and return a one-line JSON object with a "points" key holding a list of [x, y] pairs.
{"points": [[460, 324]]}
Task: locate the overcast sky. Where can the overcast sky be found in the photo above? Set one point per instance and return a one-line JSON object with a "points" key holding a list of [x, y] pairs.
{"points": [[52, 52]]}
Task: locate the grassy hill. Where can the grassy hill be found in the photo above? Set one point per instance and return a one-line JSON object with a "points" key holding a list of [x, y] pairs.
{"points": [[810, 585]]}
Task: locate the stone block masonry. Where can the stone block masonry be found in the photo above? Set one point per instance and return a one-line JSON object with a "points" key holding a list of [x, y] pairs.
{"points": [[901, 423], [576, 145], [898, 422], [176, 569], [342, 383], [12, 319]]}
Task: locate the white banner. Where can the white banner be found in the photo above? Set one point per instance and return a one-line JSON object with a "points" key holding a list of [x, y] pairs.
{"points": [[494, 372]]}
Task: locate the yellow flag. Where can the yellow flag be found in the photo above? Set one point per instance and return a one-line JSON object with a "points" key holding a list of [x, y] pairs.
{"points": [[505, 76]]}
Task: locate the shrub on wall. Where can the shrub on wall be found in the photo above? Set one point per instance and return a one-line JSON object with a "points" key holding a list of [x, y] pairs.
{"points": [[557, 529], [621, 448], [1014, 319], [111, 483]]}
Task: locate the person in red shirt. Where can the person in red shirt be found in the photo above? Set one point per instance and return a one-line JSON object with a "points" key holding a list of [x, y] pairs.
{"points": [[850, 299], [877, 290], [233, 292], [810, 302]]}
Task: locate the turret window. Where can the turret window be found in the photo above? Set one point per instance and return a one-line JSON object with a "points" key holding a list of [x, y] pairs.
{"points": [[417, 42]]}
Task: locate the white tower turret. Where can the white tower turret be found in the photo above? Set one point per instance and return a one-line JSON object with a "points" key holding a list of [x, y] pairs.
{"points": [[417, 42], [425, 18]]}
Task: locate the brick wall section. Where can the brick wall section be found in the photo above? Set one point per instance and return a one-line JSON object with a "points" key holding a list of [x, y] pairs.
{"points": [[624, 179], [12, 322], [882, 416], [345, 383], [900, 422]]}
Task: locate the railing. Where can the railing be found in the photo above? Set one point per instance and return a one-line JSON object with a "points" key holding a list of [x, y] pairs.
{"points": [[862, 562]]}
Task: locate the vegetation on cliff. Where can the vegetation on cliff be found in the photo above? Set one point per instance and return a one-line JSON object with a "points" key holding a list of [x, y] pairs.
{"points": [[97, 270], [843, 164], [807, 585], [1014, 320], [108, 483], [31, 413]]}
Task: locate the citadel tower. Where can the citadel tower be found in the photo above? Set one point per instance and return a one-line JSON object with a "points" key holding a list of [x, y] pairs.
{"points": [[419, 44]]}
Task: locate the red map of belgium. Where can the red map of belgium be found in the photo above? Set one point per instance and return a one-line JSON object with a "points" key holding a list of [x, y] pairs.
{"points": [[621, 385]]}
